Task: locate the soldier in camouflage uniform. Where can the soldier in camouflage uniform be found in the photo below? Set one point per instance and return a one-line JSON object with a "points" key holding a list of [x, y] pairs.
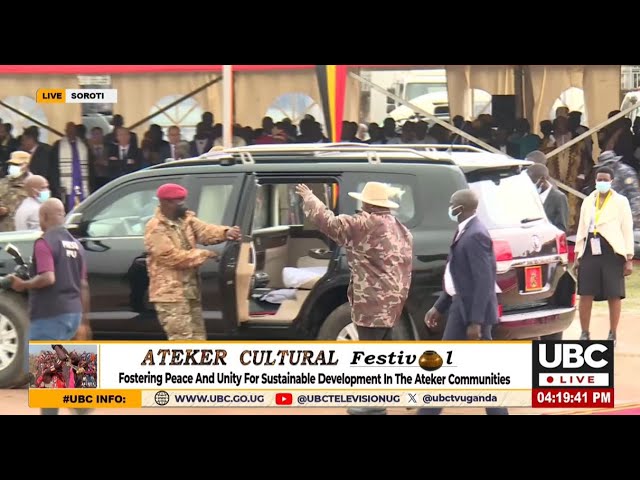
{"points": [[12, 189], [174, 285], [625, 182]]}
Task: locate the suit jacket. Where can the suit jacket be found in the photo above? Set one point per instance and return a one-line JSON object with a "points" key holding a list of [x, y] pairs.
{"points": [[472, 264], [110, 138], [182, 151], [118, 167], [41, 165], [556, 206], [193, 147]]}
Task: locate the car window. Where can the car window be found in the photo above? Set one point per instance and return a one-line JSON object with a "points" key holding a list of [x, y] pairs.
{"points": [[403, 196], [426, 195], [497, 207], [213, 202], [278, 204], [124, 215]]}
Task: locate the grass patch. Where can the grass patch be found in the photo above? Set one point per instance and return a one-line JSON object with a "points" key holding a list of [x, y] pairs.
{"points": [[631, 304]]}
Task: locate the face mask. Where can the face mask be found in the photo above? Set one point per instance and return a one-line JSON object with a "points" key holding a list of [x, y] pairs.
{"points": [[14, 171], [44, 195], [181, 211], [452, 216], [603, 187]]}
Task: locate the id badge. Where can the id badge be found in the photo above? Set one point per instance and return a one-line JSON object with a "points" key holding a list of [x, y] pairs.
{"points": [[595, 246]]}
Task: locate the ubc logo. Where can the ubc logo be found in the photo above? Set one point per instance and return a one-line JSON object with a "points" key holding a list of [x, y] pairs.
{"points": [[573, 363], [570, 355]]}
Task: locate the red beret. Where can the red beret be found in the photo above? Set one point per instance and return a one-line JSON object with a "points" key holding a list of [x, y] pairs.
{"points": [[171, 191]]}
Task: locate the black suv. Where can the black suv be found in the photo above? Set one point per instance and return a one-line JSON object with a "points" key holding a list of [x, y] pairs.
{"points": [[282, 255]]}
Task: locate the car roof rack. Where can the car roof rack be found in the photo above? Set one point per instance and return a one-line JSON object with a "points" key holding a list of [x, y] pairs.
{"points": [[248, 154], [347, 151]]}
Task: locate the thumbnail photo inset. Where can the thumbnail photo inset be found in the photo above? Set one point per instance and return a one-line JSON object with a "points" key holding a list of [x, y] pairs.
{"points": [[63, 366]]}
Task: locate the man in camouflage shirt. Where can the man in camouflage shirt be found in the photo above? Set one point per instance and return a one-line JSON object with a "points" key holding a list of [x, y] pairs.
{"points": [[12, 189], [625, 182], [174, 285], [379, 251]]}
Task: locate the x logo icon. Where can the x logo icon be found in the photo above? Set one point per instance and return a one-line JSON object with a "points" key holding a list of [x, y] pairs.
{"points": [[412, 397]]}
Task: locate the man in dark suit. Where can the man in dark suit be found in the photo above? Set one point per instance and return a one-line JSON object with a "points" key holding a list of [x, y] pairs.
{"points": [[201, 142], [555, 203], [41, 159], [469, 298], [124, 157]]}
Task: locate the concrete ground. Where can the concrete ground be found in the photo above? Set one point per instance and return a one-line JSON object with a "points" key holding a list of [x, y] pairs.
{"points": [[627, 366]]}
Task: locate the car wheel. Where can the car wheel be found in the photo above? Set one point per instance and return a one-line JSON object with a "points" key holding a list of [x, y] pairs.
{"points": [[338, 326], [14, 324]]}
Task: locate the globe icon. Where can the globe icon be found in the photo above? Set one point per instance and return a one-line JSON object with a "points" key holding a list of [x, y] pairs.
{"points": [[162, 398]]}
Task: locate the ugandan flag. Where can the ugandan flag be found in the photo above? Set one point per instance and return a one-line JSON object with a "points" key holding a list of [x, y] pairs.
{"points": [[332, 82]]}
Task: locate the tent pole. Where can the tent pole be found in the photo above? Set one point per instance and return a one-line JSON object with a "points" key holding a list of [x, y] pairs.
{"points": [[227, 106]]}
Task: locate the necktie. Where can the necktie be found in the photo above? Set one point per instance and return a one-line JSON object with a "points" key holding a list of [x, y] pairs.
{"points": [[123, 153]]}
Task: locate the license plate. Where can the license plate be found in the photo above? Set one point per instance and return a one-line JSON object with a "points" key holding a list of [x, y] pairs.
{"points": [[533, 279]]}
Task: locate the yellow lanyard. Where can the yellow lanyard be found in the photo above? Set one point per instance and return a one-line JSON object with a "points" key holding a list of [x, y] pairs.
{"points": [[599, 212]]}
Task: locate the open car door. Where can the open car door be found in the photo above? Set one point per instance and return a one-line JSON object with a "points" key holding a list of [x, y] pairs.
{"points": [[239, 260]]}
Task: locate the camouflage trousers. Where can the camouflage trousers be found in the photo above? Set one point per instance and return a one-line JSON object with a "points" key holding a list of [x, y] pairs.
{"points": [[182, 320]]}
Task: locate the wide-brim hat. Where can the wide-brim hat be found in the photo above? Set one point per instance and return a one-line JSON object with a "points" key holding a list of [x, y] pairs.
{"points": [[20, 158], [375, 193], [608, 156]]}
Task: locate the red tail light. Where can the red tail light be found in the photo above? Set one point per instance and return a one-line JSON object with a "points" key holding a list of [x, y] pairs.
{"points": [[499, 311], [561, 244], [573, 300], [502, 250]]}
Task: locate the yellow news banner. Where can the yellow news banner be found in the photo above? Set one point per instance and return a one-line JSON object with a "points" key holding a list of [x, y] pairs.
{"points": [[83, 398], [105, 398]]}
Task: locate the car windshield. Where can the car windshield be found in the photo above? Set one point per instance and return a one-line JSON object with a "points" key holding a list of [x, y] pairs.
{"points": [[497, 205]]}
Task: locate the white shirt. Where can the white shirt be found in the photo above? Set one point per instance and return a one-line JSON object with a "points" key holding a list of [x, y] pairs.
{"points": [[449, 287], [28, 215], [545, 194]]}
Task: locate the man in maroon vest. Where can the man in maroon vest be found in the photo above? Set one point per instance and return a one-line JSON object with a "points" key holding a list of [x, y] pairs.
{"points": [[58, 288]]}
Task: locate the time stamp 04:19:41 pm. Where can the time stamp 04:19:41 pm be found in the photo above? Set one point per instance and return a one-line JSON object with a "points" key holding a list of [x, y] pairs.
{"points": [[572, 398]]}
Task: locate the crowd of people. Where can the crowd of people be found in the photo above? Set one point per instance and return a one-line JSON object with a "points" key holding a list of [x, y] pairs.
{"points": [[81, 162], [59, 368]]}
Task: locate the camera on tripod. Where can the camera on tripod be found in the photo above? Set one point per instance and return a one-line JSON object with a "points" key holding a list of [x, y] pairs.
{"points": [[22, 269]]}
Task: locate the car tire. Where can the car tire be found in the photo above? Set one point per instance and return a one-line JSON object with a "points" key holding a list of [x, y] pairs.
{"points": [[338, 326], [14, 328]]}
